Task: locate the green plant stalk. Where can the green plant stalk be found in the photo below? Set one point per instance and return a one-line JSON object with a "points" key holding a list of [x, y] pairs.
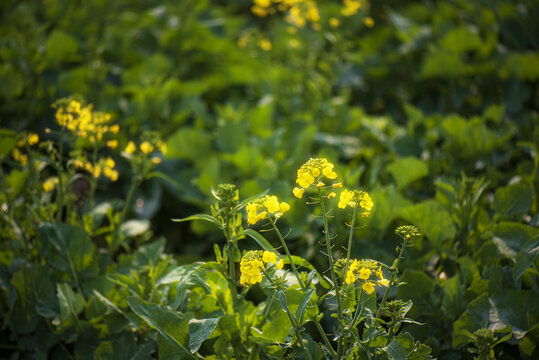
{"points": [[283, 243], [231, 263], [11, 211], [394, 271], [303, 288], [60, 169], [346, 267], [93, 181], [293, 320], [331, 268]]}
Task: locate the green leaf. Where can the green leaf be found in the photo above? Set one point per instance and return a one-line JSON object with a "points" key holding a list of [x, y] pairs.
{"points": [[395, 350], [204, 217], [526, 257], [510, 237], [513, 199], [282, 300], [453, 303], [388, 203], [200, 330], [432, 219], [71, 304], [61, 46], [300, 311], [189, 143], [255, 235], [406, 170], [172, 325], [7, 141]]}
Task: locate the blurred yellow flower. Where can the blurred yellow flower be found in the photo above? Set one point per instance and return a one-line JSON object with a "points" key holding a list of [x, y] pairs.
{"points": [[146, 147], [130, 148], [334, 22], [368, 21], [33, 139]]}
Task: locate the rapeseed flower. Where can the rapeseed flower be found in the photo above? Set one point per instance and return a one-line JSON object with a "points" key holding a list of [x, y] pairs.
{"points": [[260, 208], [313, 172], [253, 263], [363, 270], [356, 199]]}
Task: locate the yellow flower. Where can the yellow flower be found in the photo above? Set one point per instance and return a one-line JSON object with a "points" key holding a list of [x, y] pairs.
{"points": [[368, 287], [369, 22], [364, 274], [331, 195], [74, 107], [383, 282], [312, 171], [350, 277], [146, 147], [259, 208], [250, 266], [264, 44], [354, 199], [272, 204], [334, 22], [320, 184], [298, 192], [96, 171], [305, 180], [114, 129], [156, 160], [130, 148], [279, 264], [269, 257], [337, 185], [112, 144], [366, 202], [48, 185], [109, 162], [33, 139]]}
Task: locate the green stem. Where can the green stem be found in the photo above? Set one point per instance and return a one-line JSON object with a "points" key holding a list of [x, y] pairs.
{"points": [[303, 287], [331, 268], [394, 271], [283, 243], [93, 181], [60, 170], [347, 265], [293, 320], [231, 263]]}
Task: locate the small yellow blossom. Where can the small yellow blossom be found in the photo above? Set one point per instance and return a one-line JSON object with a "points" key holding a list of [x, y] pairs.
{"points": [[383, 282], [369, 22], [33, 139], [331, 195], [112, 144], [114, 129], [269, 257], [320, 184], [334, 22], [298, 192], [146, 147], [156, 160], [279, 264], [368, 287], [364, 274], [260, 208], [265, 44], [130, 148], [49, 184]]}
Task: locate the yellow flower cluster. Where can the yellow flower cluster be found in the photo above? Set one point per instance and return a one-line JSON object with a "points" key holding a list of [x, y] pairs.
{"points": [[252, 264], [103, 166], [147, 147], [50, 184], [313, 171], [355, 199], [299, 12], [31, 139], [85, 122], [351, 7], [260, 208], [358, 271]]}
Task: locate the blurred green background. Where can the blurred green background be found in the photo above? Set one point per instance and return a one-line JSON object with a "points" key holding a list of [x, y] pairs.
{"points": [[429, 106]]}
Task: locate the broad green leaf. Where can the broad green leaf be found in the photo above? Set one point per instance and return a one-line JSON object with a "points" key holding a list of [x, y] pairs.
{"points": [[513, 199], [255, 235], [61, 46], [189, 143], [432, 219], [406, 170], [172, 325], [204, 217], [453, 303], [200, 330], [387, 204], [511, 237], [526, 257], [180, 274], [7, 141], [71, 303], [395, 350]]}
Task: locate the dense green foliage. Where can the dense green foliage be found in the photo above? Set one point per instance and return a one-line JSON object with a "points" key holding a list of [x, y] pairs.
{"points": [[433, 111]]}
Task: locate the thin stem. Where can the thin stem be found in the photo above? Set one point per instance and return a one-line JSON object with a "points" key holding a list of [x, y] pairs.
{"points": [[60, 168], [230, 240], [331, 268], [349, 249], [283, 243], [93, 181], [394, 271]]}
